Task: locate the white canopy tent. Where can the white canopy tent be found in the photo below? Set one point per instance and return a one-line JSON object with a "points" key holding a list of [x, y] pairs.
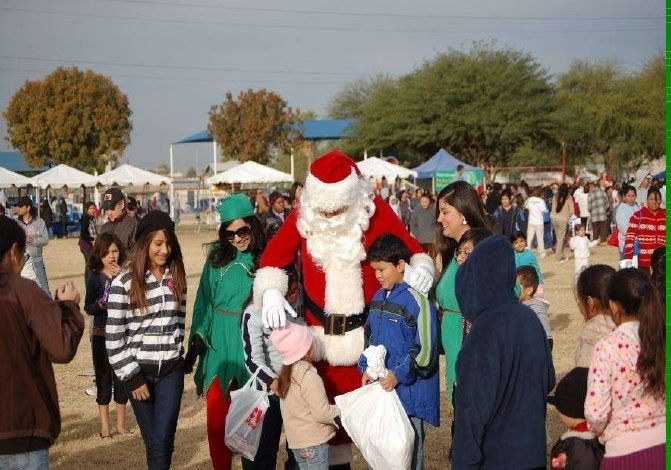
{"points": [[251, 172], [126, 175], [377, 168], [9, 178], [62, 176]]}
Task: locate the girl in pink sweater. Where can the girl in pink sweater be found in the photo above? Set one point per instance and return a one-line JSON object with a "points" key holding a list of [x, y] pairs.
{"points": [[625, 401]]}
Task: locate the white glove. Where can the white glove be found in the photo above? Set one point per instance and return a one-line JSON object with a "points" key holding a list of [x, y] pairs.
{"points": [[419, 278], [375, 361], [274, 308]]}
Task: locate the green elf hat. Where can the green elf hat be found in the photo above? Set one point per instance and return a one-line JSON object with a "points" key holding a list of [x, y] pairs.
{"points": [[235, 206]]}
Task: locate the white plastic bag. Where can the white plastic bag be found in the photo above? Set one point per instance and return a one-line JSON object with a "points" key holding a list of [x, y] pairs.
{"points": [[378, 426], [244, 421]]}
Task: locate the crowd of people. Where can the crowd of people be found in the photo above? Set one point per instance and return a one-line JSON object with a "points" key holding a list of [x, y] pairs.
{"points": [[299, 290]]}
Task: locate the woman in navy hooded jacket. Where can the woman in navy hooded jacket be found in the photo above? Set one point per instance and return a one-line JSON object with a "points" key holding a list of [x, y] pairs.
{"points": [[504, 370]]}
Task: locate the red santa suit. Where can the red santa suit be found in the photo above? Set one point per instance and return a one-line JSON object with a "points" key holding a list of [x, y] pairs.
{"points": [[338, 282]]}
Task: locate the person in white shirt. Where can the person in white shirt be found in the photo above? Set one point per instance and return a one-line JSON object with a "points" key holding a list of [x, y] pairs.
{"points": [[623, 213], [536, 207], [581, 246], [581, 197]]}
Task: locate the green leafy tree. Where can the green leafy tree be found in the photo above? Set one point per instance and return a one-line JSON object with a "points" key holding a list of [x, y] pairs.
{"points": [[191, 172], [481, 105], [349, 102], [257, 125], [79, 118], [612, 116]]}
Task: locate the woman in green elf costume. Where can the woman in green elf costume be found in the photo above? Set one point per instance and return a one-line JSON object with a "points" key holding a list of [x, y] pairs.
{"points": [[225, 286]]}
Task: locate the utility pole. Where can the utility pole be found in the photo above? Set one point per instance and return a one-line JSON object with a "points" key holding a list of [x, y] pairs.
{"points": [[563, 161]]}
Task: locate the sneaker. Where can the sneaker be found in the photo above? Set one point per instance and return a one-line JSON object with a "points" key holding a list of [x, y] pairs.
{"points": [[92, 391]]}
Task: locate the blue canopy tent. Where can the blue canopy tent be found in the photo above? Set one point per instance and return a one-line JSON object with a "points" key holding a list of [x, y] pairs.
{"points": [[442, 167]]}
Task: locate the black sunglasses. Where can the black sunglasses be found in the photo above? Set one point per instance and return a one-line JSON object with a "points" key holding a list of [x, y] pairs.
{"points": [[242, 232]]}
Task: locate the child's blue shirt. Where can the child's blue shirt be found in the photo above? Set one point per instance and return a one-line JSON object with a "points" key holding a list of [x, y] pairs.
{"points": [[406, 323]]}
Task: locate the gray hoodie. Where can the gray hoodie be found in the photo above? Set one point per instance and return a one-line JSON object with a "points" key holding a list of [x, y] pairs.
{"points": [[540, 308], [36, 229]]}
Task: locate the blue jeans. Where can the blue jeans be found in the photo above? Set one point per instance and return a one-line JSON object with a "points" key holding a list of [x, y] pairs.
{"points": [[418, 447], [157, 417], [41, 273], [312, 458], [35, 460]]}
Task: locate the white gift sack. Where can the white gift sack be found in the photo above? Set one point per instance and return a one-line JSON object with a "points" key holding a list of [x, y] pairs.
{"points": [[377, 423], [244, 421]]}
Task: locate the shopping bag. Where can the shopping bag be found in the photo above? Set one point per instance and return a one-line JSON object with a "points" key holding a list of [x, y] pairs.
{"points": [[378, 426], [244, 422], [613, 241]]}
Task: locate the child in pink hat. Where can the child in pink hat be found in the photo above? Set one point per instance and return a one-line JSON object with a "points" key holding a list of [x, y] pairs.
{"points": [[309, 418]]}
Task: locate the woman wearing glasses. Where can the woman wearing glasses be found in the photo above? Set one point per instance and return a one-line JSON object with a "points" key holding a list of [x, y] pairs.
{"points": [[216, 338]]}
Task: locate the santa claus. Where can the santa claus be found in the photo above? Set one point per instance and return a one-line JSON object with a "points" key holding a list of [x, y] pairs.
{"points": [[337, 221]]}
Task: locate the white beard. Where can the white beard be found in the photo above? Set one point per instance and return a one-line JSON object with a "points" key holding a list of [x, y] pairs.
{"points": [[336, 245]]}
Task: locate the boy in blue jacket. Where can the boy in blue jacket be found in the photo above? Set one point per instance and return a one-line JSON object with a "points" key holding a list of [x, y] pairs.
{"points": [[406, 324]]}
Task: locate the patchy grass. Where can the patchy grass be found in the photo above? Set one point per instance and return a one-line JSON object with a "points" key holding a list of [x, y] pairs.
{"points": [[79, 447]]}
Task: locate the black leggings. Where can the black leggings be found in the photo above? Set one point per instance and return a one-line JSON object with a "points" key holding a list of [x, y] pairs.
{"points": [[105, 376]]}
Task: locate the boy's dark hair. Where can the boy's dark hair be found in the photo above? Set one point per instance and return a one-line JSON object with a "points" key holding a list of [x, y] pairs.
{"points": [[517, 235], [528, 277], [578, 227], [389, 248]]}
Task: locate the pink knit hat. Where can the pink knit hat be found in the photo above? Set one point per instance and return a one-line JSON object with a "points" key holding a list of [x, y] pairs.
{"points": [[292, 342]]}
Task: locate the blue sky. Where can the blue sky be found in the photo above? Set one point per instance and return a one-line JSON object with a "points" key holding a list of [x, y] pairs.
{"points": [[176, 58]]}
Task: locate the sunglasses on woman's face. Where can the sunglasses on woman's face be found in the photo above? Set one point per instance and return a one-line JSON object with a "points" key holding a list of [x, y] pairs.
{"points": [[242, 232]]}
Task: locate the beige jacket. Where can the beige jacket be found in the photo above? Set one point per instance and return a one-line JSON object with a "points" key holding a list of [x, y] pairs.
{"points": [[592, 331], [309, 419]]}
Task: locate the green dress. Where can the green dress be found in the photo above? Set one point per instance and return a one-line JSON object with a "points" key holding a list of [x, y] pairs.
{"points": [[217, 312], [452, 329]]}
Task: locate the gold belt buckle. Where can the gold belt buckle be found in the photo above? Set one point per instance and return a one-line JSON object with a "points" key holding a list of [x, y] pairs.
{"points": [[337, 324]]}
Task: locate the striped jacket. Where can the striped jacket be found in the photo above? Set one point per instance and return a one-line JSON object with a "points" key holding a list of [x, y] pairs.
{"points": [[650, 229], [144, 342], [260, 353]]}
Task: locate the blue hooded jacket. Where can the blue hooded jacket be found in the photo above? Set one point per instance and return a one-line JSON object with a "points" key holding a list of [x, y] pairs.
{"points": [[406, 323], [504, 369]]}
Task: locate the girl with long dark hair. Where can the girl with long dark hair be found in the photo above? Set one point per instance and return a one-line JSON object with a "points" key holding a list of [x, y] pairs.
{"points": [[104, 264], [146, 310], [561, 212], [626, 395], [459, 209], [216, 336]]}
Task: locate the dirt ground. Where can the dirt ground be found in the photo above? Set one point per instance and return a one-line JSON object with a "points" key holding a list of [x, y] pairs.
{"points": [[80, 447]]}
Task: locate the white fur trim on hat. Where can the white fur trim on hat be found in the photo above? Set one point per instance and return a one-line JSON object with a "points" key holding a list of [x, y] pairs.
{"points": [[342, 350], [331, 196], [269, 278]]}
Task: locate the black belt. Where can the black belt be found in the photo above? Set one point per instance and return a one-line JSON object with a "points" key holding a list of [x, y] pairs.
{"points": [[335, 324]]}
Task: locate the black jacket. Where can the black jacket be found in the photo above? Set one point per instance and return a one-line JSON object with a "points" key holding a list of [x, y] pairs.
{"points": [[583, 451]]}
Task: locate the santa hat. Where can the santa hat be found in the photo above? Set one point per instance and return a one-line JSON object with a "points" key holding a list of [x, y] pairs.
{"points": [[333, 182]]}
